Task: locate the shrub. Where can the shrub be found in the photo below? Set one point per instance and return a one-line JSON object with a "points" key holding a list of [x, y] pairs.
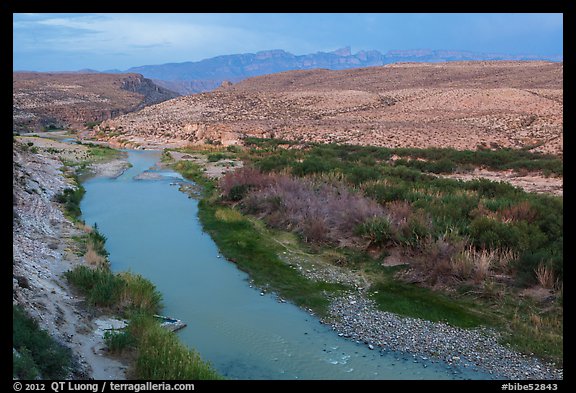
{"points": [[238, 192], [417, 227], [377, 231], [491, 189], [215, 157], [244, 177], [311, 166], [102, 287], [387, 192], [71, 199], [118, 341], [38, 354], [359, 175], [529, 262]]}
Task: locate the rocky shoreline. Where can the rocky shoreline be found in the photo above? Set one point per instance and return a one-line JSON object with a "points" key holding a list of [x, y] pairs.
{"points": [[357, 318]]}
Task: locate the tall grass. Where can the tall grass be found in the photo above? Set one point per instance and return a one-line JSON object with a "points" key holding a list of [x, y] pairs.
{"points": [[139, 294], [123, 291], [161, 356]]}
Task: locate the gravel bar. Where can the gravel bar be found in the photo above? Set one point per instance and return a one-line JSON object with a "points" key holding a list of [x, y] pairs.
{"points": [[357, 318]]}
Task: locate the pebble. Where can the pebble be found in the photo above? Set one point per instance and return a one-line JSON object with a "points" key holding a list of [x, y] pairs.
{"points": [[358, 318]]}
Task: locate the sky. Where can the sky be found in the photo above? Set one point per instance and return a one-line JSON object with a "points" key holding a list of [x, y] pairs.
{"points": [[67, 42]]}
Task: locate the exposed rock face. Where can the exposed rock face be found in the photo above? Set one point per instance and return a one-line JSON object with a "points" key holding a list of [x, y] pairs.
{"points": [[43, 100], [459, 104]]}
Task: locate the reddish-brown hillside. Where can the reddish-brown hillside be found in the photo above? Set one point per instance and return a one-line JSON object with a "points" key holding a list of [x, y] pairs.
{"points": [[461, 104], [55, 100]]}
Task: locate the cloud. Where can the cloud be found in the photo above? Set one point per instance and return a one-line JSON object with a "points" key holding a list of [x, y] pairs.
{"points": [[173, 38], [126, 40]]}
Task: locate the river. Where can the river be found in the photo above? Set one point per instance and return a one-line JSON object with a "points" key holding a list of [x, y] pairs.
{"points": [[153, 229]]}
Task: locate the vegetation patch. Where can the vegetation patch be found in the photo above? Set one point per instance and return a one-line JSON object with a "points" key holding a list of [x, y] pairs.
{"points": [[418, 302], [254, 251], [37, 355], [70, 198], [161, 356], [473, 246]]}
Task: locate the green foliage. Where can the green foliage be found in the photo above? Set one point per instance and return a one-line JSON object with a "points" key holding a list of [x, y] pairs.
{"points": [[119, 341], [71, 198], [23, 365], [161, 356], [238, 192], [418, 302], [124, 291], [98, 241], [233, 149], [140, 294], [39, 354], [383, 193], [377, 230], [275, 163], [430, 218], [194, 172], [215, 157], [101, 152], [255, 253], [166, 156], [311, 166], [101, 287], [91, 124], [361, 174]]}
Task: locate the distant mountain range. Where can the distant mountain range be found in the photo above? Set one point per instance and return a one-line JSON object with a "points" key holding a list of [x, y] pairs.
{"points": [[205, 75]]}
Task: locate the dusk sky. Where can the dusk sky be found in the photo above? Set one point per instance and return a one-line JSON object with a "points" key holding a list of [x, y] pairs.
{"points": [[65, 42]]}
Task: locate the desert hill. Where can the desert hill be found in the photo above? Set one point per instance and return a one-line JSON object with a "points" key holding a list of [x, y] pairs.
{"points": [[61, 100], [205, 75], [458, 104]]}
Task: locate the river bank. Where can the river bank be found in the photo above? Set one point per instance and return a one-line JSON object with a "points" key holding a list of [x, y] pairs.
{"points": [[83, 323], [353, 315], [356, 317], [44, 248]]}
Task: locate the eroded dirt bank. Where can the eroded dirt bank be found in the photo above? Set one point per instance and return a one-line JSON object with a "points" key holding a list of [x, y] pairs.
{"points": [[43, 249]]}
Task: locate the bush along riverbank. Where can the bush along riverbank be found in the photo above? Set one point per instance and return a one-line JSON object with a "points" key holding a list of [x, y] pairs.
{"points": [[383, 250], [158, 353]]}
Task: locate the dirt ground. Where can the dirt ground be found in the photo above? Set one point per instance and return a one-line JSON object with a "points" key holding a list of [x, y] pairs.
{"points": [[532, 182]]}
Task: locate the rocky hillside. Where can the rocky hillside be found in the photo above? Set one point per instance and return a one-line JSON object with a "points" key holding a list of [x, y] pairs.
{"points": [[61, 100], [458, 104], [208, 74]]}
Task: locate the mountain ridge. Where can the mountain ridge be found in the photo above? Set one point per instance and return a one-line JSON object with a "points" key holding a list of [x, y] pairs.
{"points": [[207, 74]]}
